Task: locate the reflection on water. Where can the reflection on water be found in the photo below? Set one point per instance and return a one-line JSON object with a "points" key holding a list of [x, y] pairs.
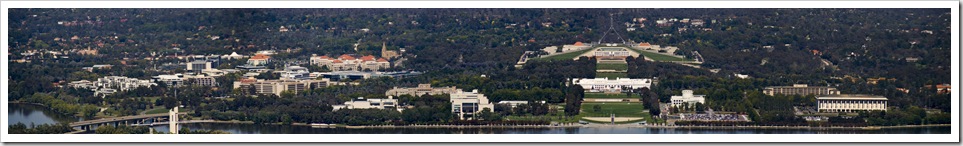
{"points": [[36, 114], [28, 113], [288, 129]]}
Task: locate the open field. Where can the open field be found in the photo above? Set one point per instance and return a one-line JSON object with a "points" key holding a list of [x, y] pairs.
{"points": [[565, 56], [612, 66], [660, 57], [156, 111]]}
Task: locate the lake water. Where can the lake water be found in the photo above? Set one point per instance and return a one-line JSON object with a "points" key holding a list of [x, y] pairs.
{"points": [[288, 129], [36, 114], [28, 113]]}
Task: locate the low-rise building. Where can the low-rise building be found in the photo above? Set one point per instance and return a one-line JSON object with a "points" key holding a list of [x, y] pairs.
{"points": [[851, 103], [295, 73], [177, 80], [515, 103], [575, 47], [99, 66], [361, 103], [467, 104], [276, 87], [358, 75], [687, 98], [607, 85], [111, 84], [259, 59], [800, 89], [170, 80], [351, 63], [422, 89]]}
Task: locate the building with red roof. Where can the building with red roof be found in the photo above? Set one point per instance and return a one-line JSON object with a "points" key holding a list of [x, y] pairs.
{"points": [[259, 59]]}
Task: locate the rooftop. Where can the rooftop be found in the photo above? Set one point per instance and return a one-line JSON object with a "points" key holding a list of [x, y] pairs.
{"points": [[260, 57], [851, 97]]}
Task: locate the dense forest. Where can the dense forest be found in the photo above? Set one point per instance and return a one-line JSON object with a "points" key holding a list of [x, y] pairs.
{"points": [[477, 48]]}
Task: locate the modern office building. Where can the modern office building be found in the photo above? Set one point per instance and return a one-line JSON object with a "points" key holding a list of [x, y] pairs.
{"points": [[467, 104], [851, 103], [800, 89], [170, 80], [182, 80], [422, 89], [276, 87], [295, 73], [687, 97], [198, 65], [607, 85], [361, 103]]}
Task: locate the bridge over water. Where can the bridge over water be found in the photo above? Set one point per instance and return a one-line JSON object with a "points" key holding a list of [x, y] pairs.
{"points": [[116, 121]]}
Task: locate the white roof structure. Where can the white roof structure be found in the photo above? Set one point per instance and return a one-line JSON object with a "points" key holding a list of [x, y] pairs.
{"points": [[687, 97], [851, 97], [604, 84]]}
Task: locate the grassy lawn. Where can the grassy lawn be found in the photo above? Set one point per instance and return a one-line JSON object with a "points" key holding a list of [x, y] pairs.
{"points": [[611, 66], [660, 57], [619, 109], [157, 110], [556, 118], [603, 95], [611, 75], [566, 56], [623, 122]]}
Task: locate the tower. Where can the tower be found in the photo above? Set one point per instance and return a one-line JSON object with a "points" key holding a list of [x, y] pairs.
{"points": [[611, 29], [172, 123]]}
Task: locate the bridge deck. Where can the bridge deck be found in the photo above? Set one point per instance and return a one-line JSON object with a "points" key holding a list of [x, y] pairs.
{"points": [[114, 119]]}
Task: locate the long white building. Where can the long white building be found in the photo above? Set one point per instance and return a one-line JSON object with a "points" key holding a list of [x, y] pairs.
{"points": [[606, 85], [422, 89], [362, 103], [851, 103], [800, 89]]}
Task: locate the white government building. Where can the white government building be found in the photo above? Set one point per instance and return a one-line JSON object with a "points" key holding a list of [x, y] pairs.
{"points": [[466, 104], [422, 89], [362, 103], [687, 97], [606, 85], [851, 103]]}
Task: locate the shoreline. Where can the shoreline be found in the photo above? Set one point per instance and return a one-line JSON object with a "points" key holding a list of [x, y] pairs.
{"points": [[578, 126]]}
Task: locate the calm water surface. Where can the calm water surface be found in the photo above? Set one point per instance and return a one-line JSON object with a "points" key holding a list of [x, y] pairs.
{"points": [[28, 113], [36, 114]]}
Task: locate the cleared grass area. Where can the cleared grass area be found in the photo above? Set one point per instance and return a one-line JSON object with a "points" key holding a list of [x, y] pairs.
{"points": [[619, 109], [156, 111], [565, 56], [611, 75], [604, 95], [622, 122], [612, 66], [660, 57]]}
